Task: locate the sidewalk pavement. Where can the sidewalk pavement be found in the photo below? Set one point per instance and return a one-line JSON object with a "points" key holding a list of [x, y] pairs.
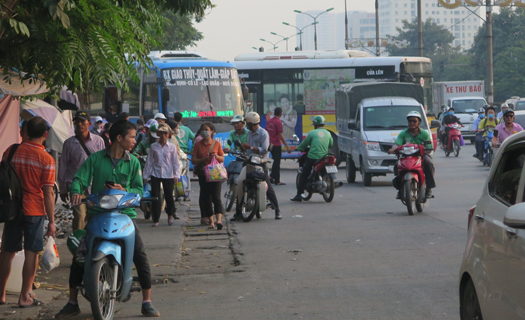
{"points": [[163, 246]]}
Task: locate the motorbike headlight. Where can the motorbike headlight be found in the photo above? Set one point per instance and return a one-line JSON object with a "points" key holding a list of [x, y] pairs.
{"points": [[372, 146], [110, 201], [409, 150], [259, 169], [255, 160]]}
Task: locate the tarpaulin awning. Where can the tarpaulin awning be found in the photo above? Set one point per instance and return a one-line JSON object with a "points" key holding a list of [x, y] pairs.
{"points": [[18, 88]]}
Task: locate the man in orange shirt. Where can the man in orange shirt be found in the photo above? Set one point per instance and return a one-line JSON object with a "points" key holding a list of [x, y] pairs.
{"points": [[36, 170]]}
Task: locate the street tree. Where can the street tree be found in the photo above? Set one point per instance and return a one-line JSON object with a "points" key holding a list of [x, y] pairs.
{"points": [[83, 44], [178, 32], [508, 29]]}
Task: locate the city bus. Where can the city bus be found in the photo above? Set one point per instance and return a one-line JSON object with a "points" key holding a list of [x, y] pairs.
{"points": [[180, 81], [303, 83]]}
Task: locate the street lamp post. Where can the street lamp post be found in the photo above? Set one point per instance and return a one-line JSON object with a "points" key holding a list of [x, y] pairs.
{"points": [[284, 38], [300, 33], [272, 43], [315, 22]]}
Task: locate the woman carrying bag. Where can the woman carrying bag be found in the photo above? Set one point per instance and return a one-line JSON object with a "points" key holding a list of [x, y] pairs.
{"points": [[210, 192]]}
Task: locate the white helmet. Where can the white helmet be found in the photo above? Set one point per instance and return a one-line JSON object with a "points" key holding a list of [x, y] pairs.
{"points": [[414, 114], [253, 117], [160, 116]]}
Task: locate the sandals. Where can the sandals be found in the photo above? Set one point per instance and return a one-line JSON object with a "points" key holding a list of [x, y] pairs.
{"points": [[205, 221], [219, 226], [211, 227]]}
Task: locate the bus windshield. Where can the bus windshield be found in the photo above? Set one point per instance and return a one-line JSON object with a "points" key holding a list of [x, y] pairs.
{"points": [[388, 118], [468, 105], [203, 92]]}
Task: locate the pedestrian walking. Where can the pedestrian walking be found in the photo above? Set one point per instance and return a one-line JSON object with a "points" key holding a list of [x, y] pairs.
{"points": [[36, 170], [185, 134], [275, 131], [163, 167], [75, 151], [210, 192]]}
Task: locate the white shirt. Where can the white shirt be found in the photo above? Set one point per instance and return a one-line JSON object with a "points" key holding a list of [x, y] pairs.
{"points": [[162, 162]]}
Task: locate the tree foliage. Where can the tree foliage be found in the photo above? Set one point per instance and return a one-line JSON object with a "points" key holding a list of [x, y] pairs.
{"points": [[84, 43], [508, 30], [178, 32]]}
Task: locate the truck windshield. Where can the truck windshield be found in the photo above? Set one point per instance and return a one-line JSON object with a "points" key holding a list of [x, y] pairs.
{"points": [[389, 117], [468, 105], [213, 93]]}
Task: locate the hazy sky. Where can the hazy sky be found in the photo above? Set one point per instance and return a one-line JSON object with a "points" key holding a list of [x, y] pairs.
{"points": [[235, 26]]}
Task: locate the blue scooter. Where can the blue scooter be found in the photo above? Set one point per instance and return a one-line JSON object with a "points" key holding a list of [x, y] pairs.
{"points": [[110, 242]]}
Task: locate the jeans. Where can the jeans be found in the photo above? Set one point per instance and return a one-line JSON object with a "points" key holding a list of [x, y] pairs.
{"points": [[277, 152], [168, 185], [480, 144], [140, 260]]}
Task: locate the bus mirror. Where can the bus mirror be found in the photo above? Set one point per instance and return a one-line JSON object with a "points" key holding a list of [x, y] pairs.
{"points": [[434, 124], [165, 95], [245, 92]]}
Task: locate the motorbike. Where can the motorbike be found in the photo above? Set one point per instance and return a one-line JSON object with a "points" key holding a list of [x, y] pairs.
{"points": [[454, 140], [251, 200], [321, 179], [108, 260], [488, 152], [410, 176], [234, 169]]}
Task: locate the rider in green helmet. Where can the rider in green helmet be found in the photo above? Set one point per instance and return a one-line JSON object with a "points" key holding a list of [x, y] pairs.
{"points": [[319, 140], [240, 132]]}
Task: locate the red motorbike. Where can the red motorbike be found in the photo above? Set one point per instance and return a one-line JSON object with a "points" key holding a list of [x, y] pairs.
{"points": [[411, 179], [454, 139]]}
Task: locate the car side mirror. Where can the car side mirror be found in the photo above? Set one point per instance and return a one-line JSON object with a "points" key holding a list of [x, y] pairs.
{"points": [[515, 216], [434, 124], [352, 126]]}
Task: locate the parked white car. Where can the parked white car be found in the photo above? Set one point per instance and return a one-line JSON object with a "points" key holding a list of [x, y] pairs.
{"points": [[492, 276]]}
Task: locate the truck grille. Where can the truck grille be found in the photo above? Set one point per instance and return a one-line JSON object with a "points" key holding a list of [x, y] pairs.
{"points": [[389, 162], [386, 146]]}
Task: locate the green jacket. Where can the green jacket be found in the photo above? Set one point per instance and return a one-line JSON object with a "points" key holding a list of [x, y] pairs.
{"points": [[243, 137], [98, 168], [319, 140], [405, 137], [184, 137], [143, 150]]}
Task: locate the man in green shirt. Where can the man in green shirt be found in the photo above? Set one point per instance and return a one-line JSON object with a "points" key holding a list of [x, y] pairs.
{"points": [[319, 140], [415, 135], [240, 132], [185, 134], [116, 164]]}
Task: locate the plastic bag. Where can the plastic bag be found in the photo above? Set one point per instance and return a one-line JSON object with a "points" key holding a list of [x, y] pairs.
{"points": [[182, 188], [50, 257], [215, 171]]}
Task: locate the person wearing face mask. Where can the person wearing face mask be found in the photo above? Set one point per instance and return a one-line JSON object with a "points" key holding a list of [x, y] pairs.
{"points": [[450, 118], [479, 133], [490, 122], [210, 192]]}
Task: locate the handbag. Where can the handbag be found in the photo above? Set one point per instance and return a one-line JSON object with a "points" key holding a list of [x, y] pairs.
{"points": [[215, 171]]}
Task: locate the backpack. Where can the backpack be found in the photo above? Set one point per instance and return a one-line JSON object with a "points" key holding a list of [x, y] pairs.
{"points": [[10, 190], [484, 121]]}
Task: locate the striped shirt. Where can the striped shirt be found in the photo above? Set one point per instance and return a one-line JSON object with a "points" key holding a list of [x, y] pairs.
{"points": [[35, 168]]}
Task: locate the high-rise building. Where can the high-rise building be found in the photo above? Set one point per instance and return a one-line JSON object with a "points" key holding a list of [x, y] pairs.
{"points": [[461, 22]]}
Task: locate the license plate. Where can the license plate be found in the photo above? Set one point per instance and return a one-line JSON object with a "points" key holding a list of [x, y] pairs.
{"points": [[331, 169], [391, 168]]}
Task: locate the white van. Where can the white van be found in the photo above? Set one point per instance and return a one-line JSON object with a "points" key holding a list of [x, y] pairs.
{"points": [[369, 118]]}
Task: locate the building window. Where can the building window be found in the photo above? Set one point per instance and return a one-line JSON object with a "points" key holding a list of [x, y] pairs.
{"points": [[437, 20], [397, 20], [406, 12], [413, 13], [406, 5], [412, 6], [445, 20]]}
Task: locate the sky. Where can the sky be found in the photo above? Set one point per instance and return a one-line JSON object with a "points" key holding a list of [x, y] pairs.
{"points": [[235, 26]]}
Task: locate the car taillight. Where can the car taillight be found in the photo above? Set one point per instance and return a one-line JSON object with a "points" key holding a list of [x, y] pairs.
{"points": [[470, 215]]}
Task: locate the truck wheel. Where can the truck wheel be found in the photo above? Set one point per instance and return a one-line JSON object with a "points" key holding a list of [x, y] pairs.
{"points": [[335, 151], [350, 169], [367, 177]]}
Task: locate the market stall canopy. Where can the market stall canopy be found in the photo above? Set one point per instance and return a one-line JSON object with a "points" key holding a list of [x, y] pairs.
{"points": [[16, 87], [60, 121]]}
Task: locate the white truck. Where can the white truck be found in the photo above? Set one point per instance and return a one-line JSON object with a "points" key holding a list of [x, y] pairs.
{"points": [[466, 97]]}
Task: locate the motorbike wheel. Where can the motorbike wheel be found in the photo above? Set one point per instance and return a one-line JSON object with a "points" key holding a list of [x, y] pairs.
{"points": [[410, 196], [230, 196], [350, 170], [146, 208], [490, 157], [307, 195], [328, 196], [102, 306], [249, 206], [447, 152], [456, 148]]}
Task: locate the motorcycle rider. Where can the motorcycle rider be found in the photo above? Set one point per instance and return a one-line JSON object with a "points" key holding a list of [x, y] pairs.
{"points": [[450, 118], [240, 132], [506, 129], [479, 133], [489, 122], [319, 140], [258, 142], [504, 107], [415, 135]]}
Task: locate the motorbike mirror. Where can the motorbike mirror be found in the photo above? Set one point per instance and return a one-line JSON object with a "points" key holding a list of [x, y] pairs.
{"points": [[434, 124], [238, 143], [296, 137], [229, 142]]}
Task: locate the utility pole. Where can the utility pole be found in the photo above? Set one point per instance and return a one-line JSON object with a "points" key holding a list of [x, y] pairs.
{"points": [[346, 27], [420, 28], [490, 58], [378, 50]]}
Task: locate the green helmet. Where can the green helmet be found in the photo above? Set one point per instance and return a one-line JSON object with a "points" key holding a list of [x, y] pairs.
{"points": [[237, 118], [318, 121], [414, 114], [74, 239]]}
